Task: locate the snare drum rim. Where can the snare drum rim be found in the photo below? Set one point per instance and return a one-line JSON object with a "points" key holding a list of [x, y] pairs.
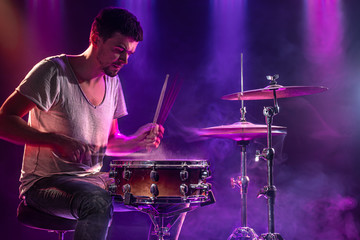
{"points": [[166, 163], [170, 200]]}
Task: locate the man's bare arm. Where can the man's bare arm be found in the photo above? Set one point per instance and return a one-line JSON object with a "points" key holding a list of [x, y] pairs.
{"points": [[15, 129], [146, 137]]}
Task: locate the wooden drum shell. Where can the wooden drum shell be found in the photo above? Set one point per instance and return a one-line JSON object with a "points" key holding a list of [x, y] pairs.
{"points": [[168, 177]]}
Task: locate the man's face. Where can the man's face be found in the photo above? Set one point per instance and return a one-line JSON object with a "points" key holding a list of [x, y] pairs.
{"points": [[114, 53]]}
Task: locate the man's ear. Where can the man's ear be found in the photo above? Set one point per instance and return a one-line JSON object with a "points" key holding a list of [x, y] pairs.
{"points": [[94, 39]]}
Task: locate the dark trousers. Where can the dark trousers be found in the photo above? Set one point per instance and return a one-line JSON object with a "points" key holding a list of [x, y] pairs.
{"points": [[84, 199]]}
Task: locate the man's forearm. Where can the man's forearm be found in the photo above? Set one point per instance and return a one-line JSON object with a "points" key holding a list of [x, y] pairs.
{"points": [[14, 129], [120, 144]]}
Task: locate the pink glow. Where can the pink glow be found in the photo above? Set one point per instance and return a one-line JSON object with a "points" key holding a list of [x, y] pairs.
{"points": [[324, 36]]}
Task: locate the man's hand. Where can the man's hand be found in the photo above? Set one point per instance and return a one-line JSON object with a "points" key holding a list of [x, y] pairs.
{"points": [[72, 150], [147, 137]]}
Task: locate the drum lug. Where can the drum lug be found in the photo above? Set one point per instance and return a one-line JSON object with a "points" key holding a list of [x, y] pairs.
{"points": [[201, 186], [204, 174], [184, 189], [113, 188], [113, 173], [154, 175], [154, 190], [126, 174], [184, 175], [126, 188]]}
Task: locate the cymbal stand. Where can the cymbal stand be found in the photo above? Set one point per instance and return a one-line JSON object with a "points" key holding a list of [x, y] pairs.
{"points": [[267, 154], [244, 232]]}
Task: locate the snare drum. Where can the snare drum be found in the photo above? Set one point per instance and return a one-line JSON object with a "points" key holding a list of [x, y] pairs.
{"points": [[160, 181]]}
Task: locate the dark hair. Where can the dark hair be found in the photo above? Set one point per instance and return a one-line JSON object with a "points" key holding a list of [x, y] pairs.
{"points": [[112, 20]]}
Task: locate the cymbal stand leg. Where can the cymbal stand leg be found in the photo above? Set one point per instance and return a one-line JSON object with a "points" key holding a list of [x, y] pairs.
{"points": [[243, 232], [269, 191]]}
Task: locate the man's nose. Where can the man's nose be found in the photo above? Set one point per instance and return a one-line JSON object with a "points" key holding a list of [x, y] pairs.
{"points": [[124, 57]]}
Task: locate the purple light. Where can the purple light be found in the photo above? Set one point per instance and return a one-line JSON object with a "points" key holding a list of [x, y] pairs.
{"points": [[44, 21], [323, 37]]}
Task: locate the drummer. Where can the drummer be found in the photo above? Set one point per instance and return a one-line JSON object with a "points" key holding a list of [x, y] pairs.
{"points": [[73, 103]]}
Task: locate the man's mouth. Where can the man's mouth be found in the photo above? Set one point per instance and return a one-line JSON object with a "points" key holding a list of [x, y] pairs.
{"points": [[118, 67]]}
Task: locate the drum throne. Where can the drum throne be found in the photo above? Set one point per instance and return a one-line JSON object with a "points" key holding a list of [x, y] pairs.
{"points": [[33, 218]]}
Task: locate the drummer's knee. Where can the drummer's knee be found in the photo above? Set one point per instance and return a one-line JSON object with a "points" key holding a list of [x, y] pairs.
{"points": [[96, 203]]}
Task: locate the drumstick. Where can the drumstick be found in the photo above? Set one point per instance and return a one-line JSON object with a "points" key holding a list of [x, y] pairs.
{"points": [[169, 101], [166, 106], [160, 99]]}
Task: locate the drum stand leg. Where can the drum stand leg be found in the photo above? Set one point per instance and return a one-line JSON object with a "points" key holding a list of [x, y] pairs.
{"points": [[161, 226], [269, 191], [163, 221], [243, 232]]}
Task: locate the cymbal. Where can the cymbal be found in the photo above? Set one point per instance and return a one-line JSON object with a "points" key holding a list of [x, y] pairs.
{"points": [[281, 92], [241, 131]]}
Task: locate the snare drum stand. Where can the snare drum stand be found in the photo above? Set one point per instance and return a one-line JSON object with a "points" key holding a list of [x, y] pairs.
{"points": [[244, 232], [268, 155], [162, 222]]}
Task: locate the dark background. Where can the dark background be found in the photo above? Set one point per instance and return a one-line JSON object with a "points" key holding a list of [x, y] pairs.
{"points": [[308, 43]]}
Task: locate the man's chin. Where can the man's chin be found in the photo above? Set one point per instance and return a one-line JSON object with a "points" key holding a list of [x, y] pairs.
{"points": [[111, 73]]}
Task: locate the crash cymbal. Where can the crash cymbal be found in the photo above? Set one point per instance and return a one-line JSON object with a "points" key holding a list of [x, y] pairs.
{"points": [[281, 92], [241, 131]]}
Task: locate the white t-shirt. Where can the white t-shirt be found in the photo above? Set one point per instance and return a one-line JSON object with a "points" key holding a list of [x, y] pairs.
{"points": [[62, 107]]}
